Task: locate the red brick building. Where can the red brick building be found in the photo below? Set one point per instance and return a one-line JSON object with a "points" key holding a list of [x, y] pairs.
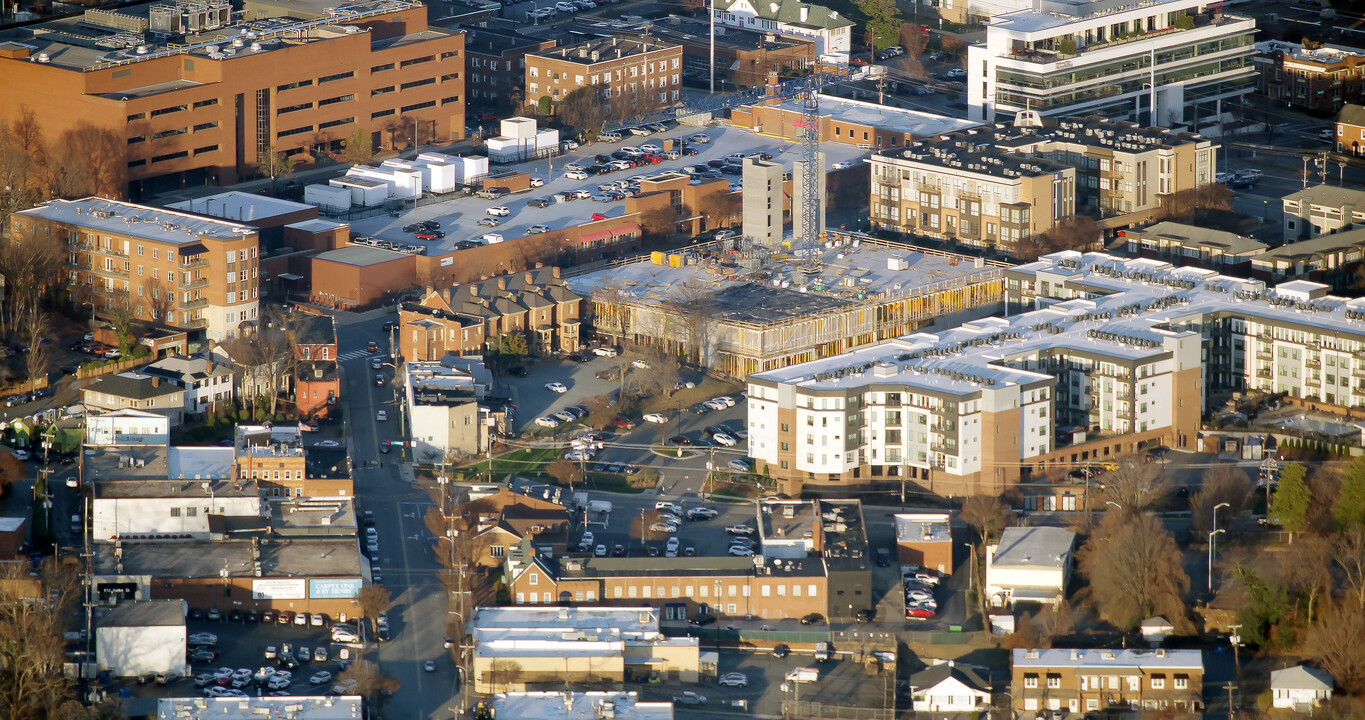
{"points": [[317, 384]]}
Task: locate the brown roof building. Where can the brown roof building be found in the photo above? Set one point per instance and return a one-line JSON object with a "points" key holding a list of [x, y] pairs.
{"points": [[645, 72], [200, 93], [1311, 76], [496, 61], [170, 268], [460, 319], [745, 58]]}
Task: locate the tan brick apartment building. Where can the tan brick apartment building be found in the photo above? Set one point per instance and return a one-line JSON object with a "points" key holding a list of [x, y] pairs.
{"points": [[170, 268], [646, 73], [200, 95], [461, 319], [1084, 681], [994, 185], [744, 57]]}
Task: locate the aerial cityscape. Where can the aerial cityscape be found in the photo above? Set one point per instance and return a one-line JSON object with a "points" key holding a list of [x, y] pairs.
{"points": [[630, 360]]}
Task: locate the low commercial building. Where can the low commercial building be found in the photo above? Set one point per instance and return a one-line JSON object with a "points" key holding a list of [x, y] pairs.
{"points": [[1029, 564], [295, 707], [1180, 244], [1321, 210], [150, 492], [1333, 260], [1080, 681], [925, 539], [134, 390], [514, 647], [443, 403], [269, 216], [141, 637], [576, 706], [1311, 76], [760, 313], [1300, 688], [359, 276], [645, 73], [831, 32], [849, 122]]}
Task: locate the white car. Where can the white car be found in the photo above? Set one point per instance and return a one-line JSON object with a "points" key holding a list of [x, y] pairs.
{"points": [[537, 182], [739, 551], [639, 364], [381, 416], [571, 144], [739, 530], [499, 211], [843, 165], [605, 352], [715, 404], [650, 147], [566, 7], [555, 387], [537, 229], [581, 194], [729, 401], [203, 638], [663, 527], [221, 692], [700, 139], [586, 541], [655, 418], [683, 385], [576, 175], [599, 551], [918, 595], [321, 678], [565, 416], [572, 166]]}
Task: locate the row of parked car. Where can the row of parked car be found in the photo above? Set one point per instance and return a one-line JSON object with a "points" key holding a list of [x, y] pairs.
{"points": [[919, 594]]}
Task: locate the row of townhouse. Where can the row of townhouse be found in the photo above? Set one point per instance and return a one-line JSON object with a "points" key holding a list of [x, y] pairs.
{"points": [[1124, 351]]}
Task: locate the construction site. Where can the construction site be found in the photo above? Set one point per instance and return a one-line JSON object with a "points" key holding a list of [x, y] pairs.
{"points": [[739, 307]]}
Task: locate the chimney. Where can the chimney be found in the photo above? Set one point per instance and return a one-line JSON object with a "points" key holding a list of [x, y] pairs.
{"points": [[474, 290], [529, 278], [502, 283], [540, 265], [156, 382], [555, 271]]}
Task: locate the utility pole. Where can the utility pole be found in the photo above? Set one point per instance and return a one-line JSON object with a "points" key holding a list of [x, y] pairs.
{"points": [[1305, 171], [1230, 686]]}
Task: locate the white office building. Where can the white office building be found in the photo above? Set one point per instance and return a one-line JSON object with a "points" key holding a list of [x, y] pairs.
{"points": [[1029, 564], [1117, 58]]}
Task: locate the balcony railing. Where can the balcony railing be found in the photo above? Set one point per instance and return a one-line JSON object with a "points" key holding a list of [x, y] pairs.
{"points": [[194, 304], [192, 284], [192, 264], [120, 272]]}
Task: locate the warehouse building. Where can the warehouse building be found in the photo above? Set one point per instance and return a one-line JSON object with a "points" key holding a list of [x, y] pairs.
{"points": [[137, 638]]}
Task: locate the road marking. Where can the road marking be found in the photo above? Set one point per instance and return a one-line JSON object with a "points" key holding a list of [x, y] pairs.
{"points": [[356, 354]]}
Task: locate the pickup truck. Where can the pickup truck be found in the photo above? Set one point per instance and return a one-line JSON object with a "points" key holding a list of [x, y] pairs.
{"points": [[491, 193]]}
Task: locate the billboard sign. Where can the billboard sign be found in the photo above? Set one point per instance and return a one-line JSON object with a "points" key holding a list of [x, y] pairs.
{"points": [[333, 588], [279, 589]]}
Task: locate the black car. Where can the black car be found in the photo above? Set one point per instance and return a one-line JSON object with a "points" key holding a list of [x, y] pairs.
{"points": [[384, 446], [733, 170], [235, 616], [431, 224], [287, 661], [781, 650], [412, 228], [679, 440], [602, 159], [863, 616], [698, 409], [714, 429], [196, 614], [517, 370], [690, 151], [379, 381], [700, 620], [252, 616], [580, 357], [718, 164], [538, 202], [44, 393], [388, 326], [812, 619]]}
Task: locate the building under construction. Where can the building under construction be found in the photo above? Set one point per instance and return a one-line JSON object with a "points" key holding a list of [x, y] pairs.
{"points": [[738, 307]]}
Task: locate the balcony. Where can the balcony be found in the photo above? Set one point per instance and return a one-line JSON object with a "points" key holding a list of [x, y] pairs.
{"points": [[192, 264], [941, 447], [1313, 363], [1312, 382], [194, 304], [1045, 55], [1265, 355], [192, 284], [108, 272], [195, 323], [93, 248], [1264, 373]]}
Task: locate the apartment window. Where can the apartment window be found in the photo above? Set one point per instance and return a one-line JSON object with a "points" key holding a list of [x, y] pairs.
{"points": [[206, 126], [417, 83], [450, 76], [1158, 681], [294, 108], [205, 103], [137, 116], [175, 512], [450, 54], [449, 100], [380, 114], [334, 123], [1054, 680], [334, 78], [136, 140], [416, 61], [168, 110], [335, 100], [201, 151], [295, 131], [1030, 680], [418, 106], [292, 85], [170, 156], [169, 133]]}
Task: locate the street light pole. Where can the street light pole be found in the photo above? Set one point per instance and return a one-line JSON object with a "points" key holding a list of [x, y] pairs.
{"points": [[1212, 533]]}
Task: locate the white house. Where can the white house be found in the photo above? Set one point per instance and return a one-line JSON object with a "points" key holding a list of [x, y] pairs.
{"points": [[831, 32], [1300, 687], [138, 637], [127, 427], [1155, 629], [209, 380], [442, 399], [947, 688], [1029, 564]]}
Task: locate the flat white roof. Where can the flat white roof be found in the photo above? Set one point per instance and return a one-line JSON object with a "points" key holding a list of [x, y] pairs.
{"points": [[240, 206], [557, 622], [1067, 657], [1028, 547], [122, 218], [577, 706], [882, 117], [923, 527], [207, 463]]}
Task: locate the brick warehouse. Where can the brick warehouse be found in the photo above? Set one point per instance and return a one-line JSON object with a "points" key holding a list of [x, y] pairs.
{"points": [[200, 95]]}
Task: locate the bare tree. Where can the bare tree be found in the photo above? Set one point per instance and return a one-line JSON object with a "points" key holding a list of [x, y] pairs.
{"points": [[987, 515], [1074, 233], [1220, 484], [693, 308], [374, 599], [1334, 642], [369, 681], [30, 260], [1308, 570], [1133, 566], [1135, 487], [275, 165], [32, 617], [88, 160], [22, 157], [266, 357], [36, 331], [611, 309], [1349, 555]]}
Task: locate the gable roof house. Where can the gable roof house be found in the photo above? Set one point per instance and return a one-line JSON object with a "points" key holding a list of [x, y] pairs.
{"points": [[831, 31], [949, 688], [1300, 687]]}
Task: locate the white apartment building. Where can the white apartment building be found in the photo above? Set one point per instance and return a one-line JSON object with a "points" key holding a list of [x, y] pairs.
{"points": [[1118, 58], [831, 32]]}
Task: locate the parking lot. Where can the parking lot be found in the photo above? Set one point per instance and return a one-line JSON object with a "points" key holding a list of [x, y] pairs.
{"points": [[242, 645], [841, 682], [459, 216]]}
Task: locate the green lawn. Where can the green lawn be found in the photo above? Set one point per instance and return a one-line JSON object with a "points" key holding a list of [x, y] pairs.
{"points": [[528, 462]]}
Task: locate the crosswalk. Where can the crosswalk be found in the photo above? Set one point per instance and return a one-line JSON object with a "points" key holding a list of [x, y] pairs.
{"points": [[355, 354]]}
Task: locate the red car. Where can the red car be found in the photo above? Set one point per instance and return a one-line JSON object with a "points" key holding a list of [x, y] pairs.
{"points": [[425, 236], [918, 612], [624, 423], [598, 216]]}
